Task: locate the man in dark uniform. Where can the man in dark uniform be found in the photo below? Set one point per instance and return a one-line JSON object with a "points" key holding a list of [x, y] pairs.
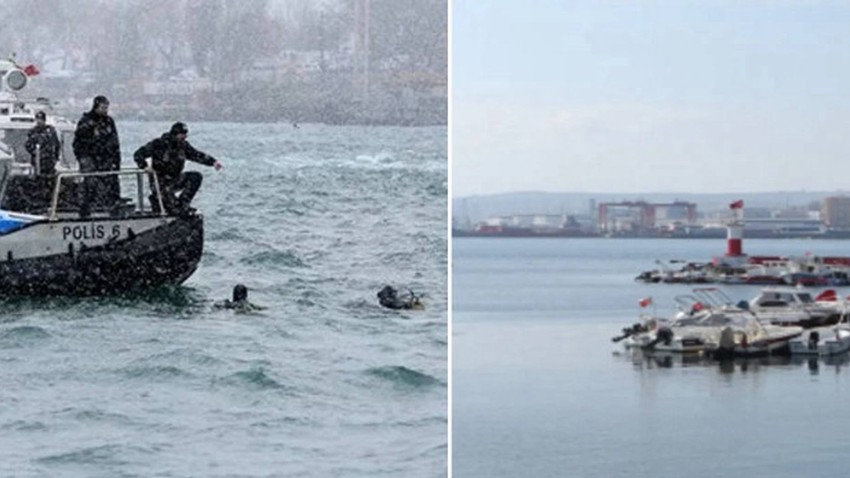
{"points": [[43, 144], [97, 149], [168, 155]]}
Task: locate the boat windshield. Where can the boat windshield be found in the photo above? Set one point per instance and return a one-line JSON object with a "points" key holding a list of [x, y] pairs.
{"points": [[723, 319], [783, 299]]}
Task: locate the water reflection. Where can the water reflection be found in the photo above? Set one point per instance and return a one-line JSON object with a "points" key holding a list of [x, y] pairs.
{"points": [[644, 360]]}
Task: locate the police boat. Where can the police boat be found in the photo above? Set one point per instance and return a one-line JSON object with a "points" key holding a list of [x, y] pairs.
{"points": [[48, 248]]}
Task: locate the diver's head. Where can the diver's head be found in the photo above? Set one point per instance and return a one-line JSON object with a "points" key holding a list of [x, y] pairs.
{"points": [[386, 292], [240, 293]]}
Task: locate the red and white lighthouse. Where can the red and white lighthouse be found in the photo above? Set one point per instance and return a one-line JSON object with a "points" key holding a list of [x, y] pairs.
{"points": [[735, 230]]}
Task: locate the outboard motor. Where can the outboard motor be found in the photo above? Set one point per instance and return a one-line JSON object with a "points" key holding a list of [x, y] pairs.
{"points": [[665, 334], [636, 328], [726, 348], [814, 338]]}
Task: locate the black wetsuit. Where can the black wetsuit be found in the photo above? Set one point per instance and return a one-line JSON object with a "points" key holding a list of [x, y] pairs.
{"points": [[395, 303], [169, 156], [238, 305], [388, 297]]}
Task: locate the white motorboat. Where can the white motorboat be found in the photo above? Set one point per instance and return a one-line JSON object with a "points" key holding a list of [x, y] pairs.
{"points": [[822, 341], [793, 306], [707, 322]]}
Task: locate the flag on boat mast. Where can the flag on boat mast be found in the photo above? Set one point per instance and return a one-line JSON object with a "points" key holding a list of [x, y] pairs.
{"points": [[645, 302], [29, 70], [739, 204]]}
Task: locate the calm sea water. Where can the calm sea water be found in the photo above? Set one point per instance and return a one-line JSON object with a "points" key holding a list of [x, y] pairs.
{"points": [[324, 382], [539, 389]]}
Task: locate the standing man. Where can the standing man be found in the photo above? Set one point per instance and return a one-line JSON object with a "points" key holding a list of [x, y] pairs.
{"points": [[43, 144], [169, 153], [97, 149]]}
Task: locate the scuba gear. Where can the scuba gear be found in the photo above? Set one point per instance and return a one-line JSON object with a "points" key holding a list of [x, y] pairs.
{"points": [[389, 298]]}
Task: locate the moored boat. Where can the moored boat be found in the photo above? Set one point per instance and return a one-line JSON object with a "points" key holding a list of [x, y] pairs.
{"points": [[708, 323], [793, 306], [822, 341]]}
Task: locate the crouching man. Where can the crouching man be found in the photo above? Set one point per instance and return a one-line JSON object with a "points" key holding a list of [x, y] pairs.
{"points": [[168, 155]]}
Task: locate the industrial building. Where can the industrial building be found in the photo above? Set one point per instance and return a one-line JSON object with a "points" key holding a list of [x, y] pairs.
{"points": [[835, 212], [643, 218]]}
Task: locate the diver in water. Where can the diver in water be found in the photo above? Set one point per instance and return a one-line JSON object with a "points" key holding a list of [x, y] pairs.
{"points": [[389, 298], [240, 301]]}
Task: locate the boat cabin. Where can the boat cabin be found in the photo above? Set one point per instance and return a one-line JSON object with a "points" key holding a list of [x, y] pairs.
{"points": [[22, 188], [778, 298]]}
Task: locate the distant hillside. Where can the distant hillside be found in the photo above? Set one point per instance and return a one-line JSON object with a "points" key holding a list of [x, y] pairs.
{"points": [[472, 209]]}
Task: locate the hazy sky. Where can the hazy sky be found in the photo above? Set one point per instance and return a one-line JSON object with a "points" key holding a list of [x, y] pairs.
{"points": [[650, 96]]}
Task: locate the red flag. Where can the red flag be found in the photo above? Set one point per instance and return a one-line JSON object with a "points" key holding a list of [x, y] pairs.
{"points": [[645, 301], [737, 204], [31, 70]]}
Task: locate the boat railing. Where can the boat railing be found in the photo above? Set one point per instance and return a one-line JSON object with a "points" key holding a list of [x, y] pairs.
{"points": [[140, 179], [685, 302], [713, 297], [36, 160]]}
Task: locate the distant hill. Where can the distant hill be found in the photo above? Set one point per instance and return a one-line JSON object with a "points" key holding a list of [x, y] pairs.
{"points": [[472, 209]]}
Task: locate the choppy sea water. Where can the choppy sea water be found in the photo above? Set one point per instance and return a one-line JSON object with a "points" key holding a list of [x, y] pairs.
{"points": [[324, 382], [539, 389]]}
